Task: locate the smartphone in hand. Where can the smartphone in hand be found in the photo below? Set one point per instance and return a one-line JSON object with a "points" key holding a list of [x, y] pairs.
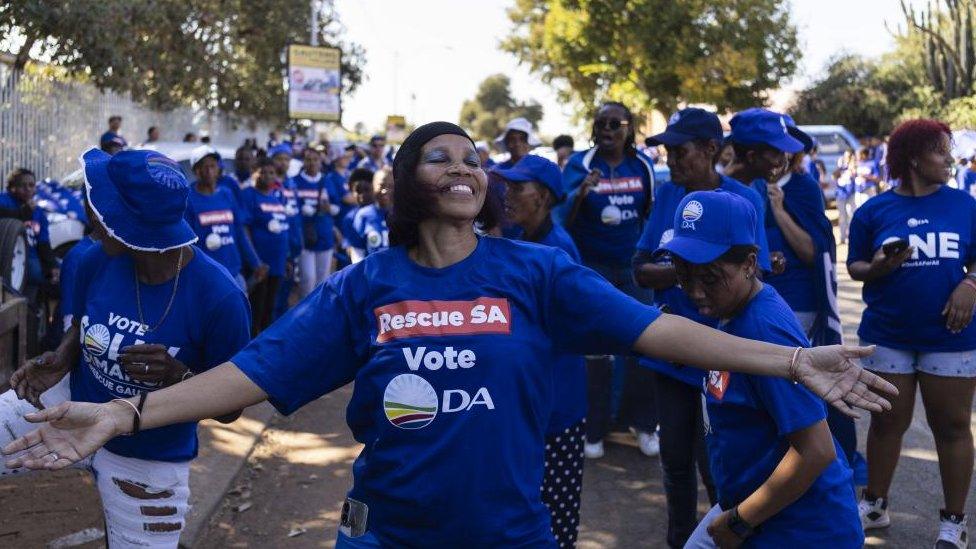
{"points": [[895, 247]]}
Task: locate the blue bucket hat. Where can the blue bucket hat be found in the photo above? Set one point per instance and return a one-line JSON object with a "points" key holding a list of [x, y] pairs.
{"points": [[538, 169], [708, 223], [140, 197], [688, 124], [763, 127]]}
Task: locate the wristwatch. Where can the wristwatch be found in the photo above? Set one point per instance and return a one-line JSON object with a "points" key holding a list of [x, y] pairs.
{"points": [[742, 529]]}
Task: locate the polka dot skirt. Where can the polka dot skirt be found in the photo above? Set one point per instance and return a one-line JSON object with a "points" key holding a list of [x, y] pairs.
{"points": [[563, 483]]}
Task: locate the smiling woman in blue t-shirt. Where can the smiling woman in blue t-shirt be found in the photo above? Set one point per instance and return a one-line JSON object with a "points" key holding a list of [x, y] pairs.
{"points": [[449, 338], [914, 247], [776, 467], [149, 310]]}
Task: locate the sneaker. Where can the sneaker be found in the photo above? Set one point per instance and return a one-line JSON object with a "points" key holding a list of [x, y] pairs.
{"points": [[648, 443], [952, 532], [874, 513], [593, 450]]}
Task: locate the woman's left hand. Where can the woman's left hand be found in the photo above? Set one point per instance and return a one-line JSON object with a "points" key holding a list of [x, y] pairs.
{"points": [[959, 309], [721, 534], [833, 374], [151, 363]]}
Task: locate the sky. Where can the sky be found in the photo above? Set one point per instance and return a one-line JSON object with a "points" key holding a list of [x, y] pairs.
{"points": [[425, 57]]}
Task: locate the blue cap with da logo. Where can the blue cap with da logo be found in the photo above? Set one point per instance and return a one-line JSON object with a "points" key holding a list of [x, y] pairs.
{"points": [[762, 127], [708, 223], [538, 169]]}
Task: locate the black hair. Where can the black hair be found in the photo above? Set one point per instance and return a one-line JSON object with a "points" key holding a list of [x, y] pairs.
{"points": [[412, 202], [630, 141], [15, 176], [205, 139], [738, 254], [360, 174], [114, 117], [563, 141], [262, 162], [702, 142], [150, 130]]}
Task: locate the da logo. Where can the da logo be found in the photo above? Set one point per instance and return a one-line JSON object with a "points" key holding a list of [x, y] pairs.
{"points": [[674, 118], [611, 215], [666, 237], [691, 213], [373, 239], [97, 339], [410, 402]]}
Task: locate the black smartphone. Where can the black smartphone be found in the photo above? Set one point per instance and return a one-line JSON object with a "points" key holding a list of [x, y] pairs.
{"points": [[895, 247]]}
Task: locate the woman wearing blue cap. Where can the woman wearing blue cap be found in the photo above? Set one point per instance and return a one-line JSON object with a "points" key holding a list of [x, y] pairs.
{"points": [[452, 363], [150, 310], [693, 140], [367, 232], [610, 189], [777, 469], [533, 188], [214, 214]]}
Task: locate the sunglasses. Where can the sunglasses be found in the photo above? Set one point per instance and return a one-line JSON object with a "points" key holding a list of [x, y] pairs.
{"points": [[613, 125]]}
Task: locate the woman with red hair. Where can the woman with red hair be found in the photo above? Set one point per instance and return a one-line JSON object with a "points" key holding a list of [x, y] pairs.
{"points": [[914, 247]]}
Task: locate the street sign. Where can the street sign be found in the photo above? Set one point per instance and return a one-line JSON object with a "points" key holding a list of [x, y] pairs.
{"points": [[314, 83]]}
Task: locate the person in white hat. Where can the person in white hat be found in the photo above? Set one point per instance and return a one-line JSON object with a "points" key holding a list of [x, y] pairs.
{"points": [[517, 139]]}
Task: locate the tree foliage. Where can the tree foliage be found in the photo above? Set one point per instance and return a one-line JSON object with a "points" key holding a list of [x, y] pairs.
{"points": [[655, 54], [493, 106], [215, 54], [945, 30]]}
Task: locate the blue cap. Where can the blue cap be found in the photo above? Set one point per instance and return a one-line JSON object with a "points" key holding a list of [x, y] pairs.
{"points": [[799, 134], [140, 196], [281, 148], [763, 127], [688, 124], [538, 169], [708, 223]]}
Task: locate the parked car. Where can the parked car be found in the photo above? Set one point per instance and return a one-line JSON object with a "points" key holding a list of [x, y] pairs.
{"points": [[832, 143]]}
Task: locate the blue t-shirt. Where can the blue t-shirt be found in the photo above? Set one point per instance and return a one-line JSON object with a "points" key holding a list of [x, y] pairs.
{"points": [[659, 230], [35, 228], [311, 193], [611, 218], [865, 169], [338, 186], [288, 195], [904, 308], [267, 218], [216, 220], [368, 230], [453, 381], [746, 427], [209, 321], [969, 181], [796, 284], [231, 183], [69, 269], [569, 397]]}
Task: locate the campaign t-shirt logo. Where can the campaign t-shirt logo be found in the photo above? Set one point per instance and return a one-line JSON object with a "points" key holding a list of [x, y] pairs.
{"points": [[692, 212], [666, 236], [717, 383], [373, 239], [913, 222], [410, 402], [97, 339], [213, 241], [413, 318], [611, 215]]}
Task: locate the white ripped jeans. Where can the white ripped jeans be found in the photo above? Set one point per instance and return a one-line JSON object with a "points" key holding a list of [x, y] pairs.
{"points": [[316, 267], [145, 502]]}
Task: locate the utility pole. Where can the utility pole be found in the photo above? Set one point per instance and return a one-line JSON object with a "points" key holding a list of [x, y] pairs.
{"points": [[314, 23]]}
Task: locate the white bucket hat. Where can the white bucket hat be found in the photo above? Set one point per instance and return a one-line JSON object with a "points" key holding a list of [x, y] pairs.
{"points": [[519, 124]]}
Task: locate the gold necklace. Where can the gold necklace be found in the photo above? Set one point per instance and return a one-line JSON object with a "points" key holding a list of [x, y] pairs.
{"points": [[172, 298]]}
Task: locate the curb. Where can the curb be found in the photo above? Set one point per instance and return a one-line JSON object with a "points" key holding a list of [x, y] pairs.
{"points": [[224, 448]]}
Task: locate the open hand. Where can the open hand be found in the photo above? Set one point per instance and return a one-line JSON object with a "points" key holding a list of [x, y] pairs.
{"points": [[832, 372], [38, 375], [70, 432]]}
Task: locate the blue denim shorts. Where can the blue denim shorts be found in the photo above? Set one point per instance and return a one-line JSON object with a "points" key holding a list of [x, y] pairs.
{"points": [[886, 360]]}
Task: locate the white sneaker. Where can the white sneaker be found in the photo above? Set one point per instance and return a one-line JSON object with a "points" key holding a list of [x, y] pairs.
{"points": [[952, 532], [594, 450], [648, 443], [874, 514]]}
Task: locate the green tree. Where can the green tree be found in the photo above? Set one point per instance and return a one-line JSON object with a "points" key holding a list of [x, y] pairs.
{"points": [[493, 106], [655, 54], [216, 54], [945, 31]]}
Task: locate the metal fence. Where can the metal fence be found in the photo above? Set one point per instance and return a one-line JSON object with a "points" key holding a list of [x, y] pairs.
{"points": [[46, 123]]}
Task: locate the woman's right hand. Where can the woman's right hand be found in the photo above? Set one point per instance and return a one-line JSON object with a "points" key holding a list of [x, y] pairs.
{"points": [[883, 264], [38, 375], [590, 182], [71, 431]]}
